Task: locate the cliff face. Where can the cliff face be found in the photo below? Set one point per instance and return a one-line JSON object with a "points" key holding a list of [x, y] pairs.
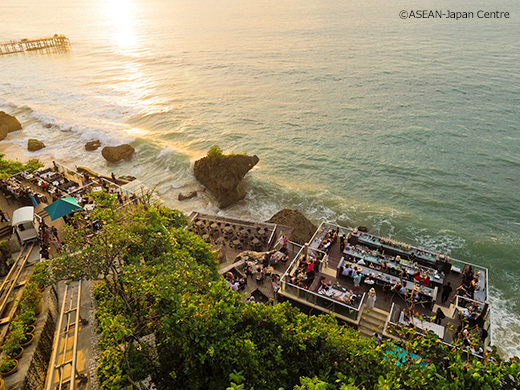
{"points": [[8, 123], [303, 228], [222, 176]]}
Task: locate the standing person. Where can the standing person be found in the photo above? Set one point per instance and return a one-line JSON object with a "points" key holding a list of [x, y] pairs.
{"points": [[439, 316], [357, 280], [2, 216], [371, 300], [285, 242], [446, 291], [325, 261]]}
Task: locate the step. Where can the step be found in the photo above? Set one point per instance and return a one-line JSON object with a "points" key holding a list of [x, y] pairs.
{"points": [[368, 332], [367, 323], [6, 230], [375, 313]]}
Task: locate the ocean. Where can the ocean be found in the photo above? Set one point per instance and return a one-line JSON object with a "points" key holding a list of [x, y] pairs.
{"points": [[407, 126]]}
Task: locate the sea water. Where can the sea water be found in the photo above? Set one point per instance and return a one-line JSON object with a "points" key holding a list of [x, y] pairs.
{"points": [[407, 126]]}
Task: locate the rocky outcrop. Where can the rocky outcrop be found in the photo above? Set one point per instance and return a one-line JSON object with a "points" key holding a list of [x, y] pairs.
{"points": [[117, 153], [33, 145], [92, 145], [222, 175], [188, 195], [303, 229], [127, 178], [8, 124]]}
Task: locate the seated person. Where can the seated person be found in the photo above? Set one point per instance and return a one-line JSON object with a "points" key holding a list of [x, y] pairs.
{"points": [[284, 258], [369, 280], [273, 260], [261, 275], [415, 294], [310, 266], [325, 284], [347, 298], [346, 270], [249, 271], [396, 287]]}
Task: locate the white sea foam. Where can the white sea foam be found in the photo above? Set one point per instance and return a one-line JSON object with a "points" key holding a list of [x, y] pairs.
{"points": [[505, 324]]}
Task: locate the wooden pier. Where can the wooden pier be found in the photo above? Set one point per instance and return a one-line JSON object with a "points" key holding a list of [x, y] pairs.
{"points": [[25, 45]]}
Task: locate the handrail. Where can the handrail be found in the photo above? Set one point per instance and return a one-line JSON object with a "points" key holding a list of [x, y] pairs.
{"points": [[416, 331], [327, 298]]}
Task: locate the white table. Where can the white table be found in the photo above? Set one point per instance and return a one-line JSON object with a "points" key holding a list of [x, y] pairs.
{"points": [[424, 325]]}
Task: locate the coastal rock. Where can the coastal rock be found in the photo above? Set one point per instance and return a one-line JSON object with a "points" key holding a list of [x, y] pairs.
{"points": [[222, 174], [8, 124], [33, 145], [92, 145], [303, 229], [127, 178], [117, 153], [189, 195]]}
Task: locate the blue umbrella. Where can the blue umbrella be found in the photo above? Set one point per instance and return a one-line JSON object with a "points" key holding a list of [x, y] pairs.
{"points": [[62, 207]]}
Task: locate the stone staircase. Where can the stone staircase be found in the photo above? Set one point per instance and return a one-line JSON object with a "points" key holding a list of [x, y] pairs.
{"points": [[43, 214], [6, 230], [372, 321]]}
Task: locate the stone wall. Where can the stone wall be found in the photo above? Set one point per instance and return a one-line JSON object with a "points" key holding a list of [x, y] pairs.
{"points": [[37, 371]]}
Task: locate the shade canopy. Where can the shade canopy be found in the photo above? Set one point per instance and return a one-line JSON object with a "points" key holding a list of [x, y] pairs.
{"points": [[22, 215], [62, 207]]}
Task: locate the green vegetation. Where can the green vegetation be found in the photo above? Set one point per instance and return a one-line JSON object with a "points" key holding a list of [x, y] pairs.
{"points": [[216, 152], [158, 279], [9, 167], [6, 364], [6, 260]]}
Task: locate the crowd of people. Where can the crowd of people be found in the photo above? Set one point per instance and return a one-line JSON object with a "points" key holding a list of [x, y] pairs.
{"points": [[47, 236], [468, 285]]}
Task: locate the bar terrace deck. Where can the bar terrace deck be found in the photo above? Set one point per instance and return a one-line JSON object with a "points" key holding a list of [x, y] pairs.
{"points": [[330, 288]]}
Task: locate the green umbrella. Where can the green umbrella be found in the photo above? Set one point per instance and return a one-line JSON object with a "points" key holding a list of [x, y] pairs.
{"points": [[62, 207]]}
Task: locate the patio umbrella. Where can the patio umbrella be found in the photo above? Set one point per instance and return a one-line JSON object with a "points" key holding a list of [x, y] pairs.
{"points": [[62, 207]]}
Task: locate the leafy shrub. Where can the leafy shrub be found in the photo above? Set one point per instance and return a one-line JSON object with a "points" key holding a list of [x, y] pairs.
{"points": [[9, 167], [215, 152], [6, 364]]}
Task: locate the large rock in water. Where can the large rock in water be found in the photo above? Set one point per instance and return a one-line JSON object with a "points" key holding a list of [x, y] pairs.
{"points": [[223, 174], [33, 145], [8, 124], [117, 153], [303, 229], [185, 196], [92, 145]]}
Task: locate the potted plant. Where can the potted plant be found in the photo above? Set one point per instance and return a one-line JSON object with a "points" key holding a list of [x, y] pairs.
{"points": [[27, 316], [31, 297], [30, 329], [41, 276], [27, 339], [8, 366], [12, 346]]}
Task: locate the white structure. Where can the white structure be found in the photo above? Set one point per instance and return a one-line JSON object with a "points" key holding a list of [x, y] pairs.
{"points": [[24, 224]]}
